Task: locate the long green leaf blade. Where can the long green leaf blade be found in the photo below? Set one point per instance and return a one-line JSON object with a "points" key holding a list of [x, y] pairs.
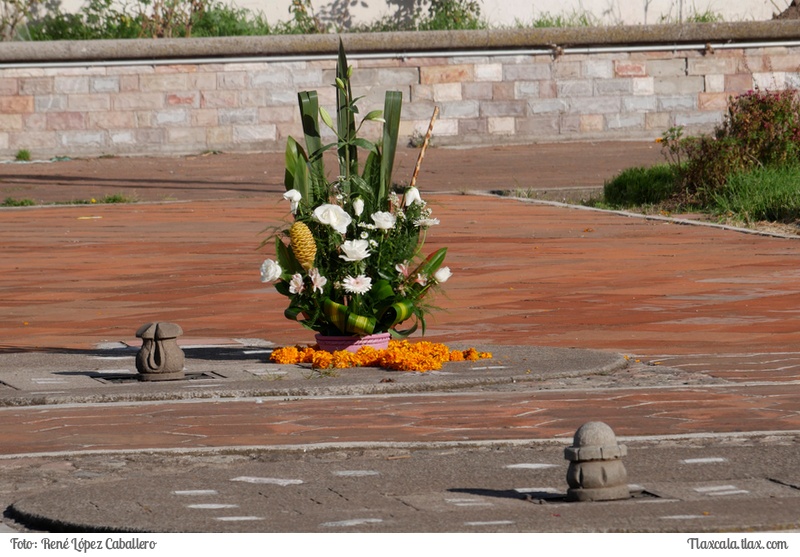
{"points": [[393, 105], [345, 118], [309, 111], [296, 171]]}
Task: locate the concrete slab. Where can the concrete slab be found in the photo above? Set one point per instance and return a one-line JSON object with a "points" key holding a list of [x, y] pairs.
{"points": [[385, 488]]}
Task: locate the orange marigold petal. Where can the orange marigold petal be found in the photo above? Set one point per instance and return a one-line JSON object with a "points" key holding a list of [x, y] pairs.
{"points": [[400, 356]]}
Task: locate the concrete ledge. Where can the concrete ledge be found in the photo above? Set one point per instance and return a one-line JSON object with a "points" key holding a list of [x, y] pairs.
{"points": [[396, 43]]}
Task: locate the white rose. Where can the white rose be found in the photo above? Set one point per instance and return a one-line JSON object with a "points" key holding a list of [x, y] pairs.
{"points": [[355, 250], [442, 274], [411, 195], [384, 220], [334, 216], [358, 206], [293, 197], [270, 271]]}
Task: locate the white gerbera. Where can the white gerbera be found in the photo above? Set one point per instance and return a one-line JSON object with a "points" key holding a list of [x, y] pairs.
{"points": [[357, 285]]}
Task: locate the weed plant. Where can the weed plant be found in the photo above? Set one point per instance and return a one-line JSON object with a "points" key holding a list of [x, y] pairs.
{"points": [[110, 19], [106, 19], [546, 19], [449, 15], [749, 168], [640, 186], [13, 202], [764, 194], [761, 128]]}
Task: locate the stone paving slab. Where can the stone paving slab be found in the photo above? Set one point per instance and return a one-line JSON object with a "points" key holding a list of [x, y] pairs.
{"points": [[236, 370], [738, 484]]}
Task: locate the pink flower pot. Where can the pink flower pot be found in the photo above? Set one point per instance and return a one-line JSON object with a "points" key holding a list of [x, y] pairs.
{"points": [[378, 341]]}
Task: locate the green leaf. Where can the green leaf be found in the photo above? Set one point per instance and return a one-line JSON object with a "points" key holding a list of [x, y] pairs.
{"points": [[345, 118], [346, 321], [296, 171], [286, 258], [374, 115], [392, 107], [309, 109], [397, 313], [360, 324], [401, 334], [283, 288], [381, 290], [365, 144], [433, 262], [372, 177], [293, 313]]}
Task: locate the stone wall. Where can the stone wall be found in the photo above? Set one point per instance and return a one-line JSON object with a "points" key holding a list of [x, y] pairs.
{"points": [[85, 105]]}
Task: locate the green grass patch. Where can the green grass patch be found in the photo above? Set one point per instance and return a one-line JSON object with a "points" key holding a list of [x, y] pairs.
{"points": [[107, 199], [546, 19], [23, 155], [118, 198], [12, 202], [640, 186], [762, 194]]}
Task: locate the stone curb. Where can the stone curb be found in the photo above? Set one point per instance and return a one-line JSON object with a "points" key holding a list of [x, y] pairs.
{"points": [[253, 377], [395, 43]]}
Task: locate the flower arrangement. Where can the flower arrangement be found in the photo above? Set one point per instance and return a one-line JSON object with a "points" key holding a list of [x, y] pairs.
{"points": [[351, 262]]}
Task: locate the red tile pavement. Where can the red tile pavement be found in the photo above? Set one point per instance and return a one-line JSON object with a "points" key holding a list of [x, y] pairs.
{"points": [[703, 299], [524, 273], [401, 418]]}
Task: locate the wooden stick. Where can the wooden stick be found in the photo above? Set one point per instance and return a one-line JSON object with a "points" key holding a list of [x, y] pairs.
{"points": [[424, 146]]}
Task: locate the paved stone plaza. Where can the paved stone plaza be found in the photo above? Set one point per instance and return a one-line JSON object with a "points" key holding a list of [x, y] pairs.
{"points": [[680, 337]]}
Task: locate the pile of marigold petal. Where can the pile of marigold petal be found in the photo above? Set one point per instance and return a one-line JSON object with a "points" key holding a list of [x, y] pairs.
{"points": [[399, 356]]}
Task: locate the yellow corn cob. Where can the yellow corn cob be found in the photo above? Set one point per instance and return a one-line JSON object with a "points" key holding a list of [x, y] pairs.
{"points": [[303, 245]]}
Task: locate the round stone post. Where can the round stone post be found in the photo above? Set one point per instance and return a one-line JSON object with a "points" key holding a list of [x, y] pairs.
{"points": [[160, 358], [596, 472]]}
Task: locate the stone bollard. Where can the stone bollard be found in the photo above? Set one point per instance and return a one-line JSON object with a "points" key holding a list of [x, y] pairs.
{"points": [[596, 472], [160, 358]]}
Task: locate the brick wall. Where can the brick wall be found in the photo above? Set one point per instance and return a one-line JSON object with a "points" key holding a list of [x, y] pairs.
{"points": [[152, 109]]}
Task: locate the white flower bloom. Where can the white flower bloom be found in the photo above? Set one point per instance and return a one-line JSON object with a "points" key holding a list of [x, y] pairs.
{"points": [[442, 274], [403, 269], [270, 271], [293, 197], [334, 216], [425, 223], [296, 285], [384, 220], [364, 235], [355, 250], [421, 279], [317, 280], [411, 195], [358, 206], [357, 285]]}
